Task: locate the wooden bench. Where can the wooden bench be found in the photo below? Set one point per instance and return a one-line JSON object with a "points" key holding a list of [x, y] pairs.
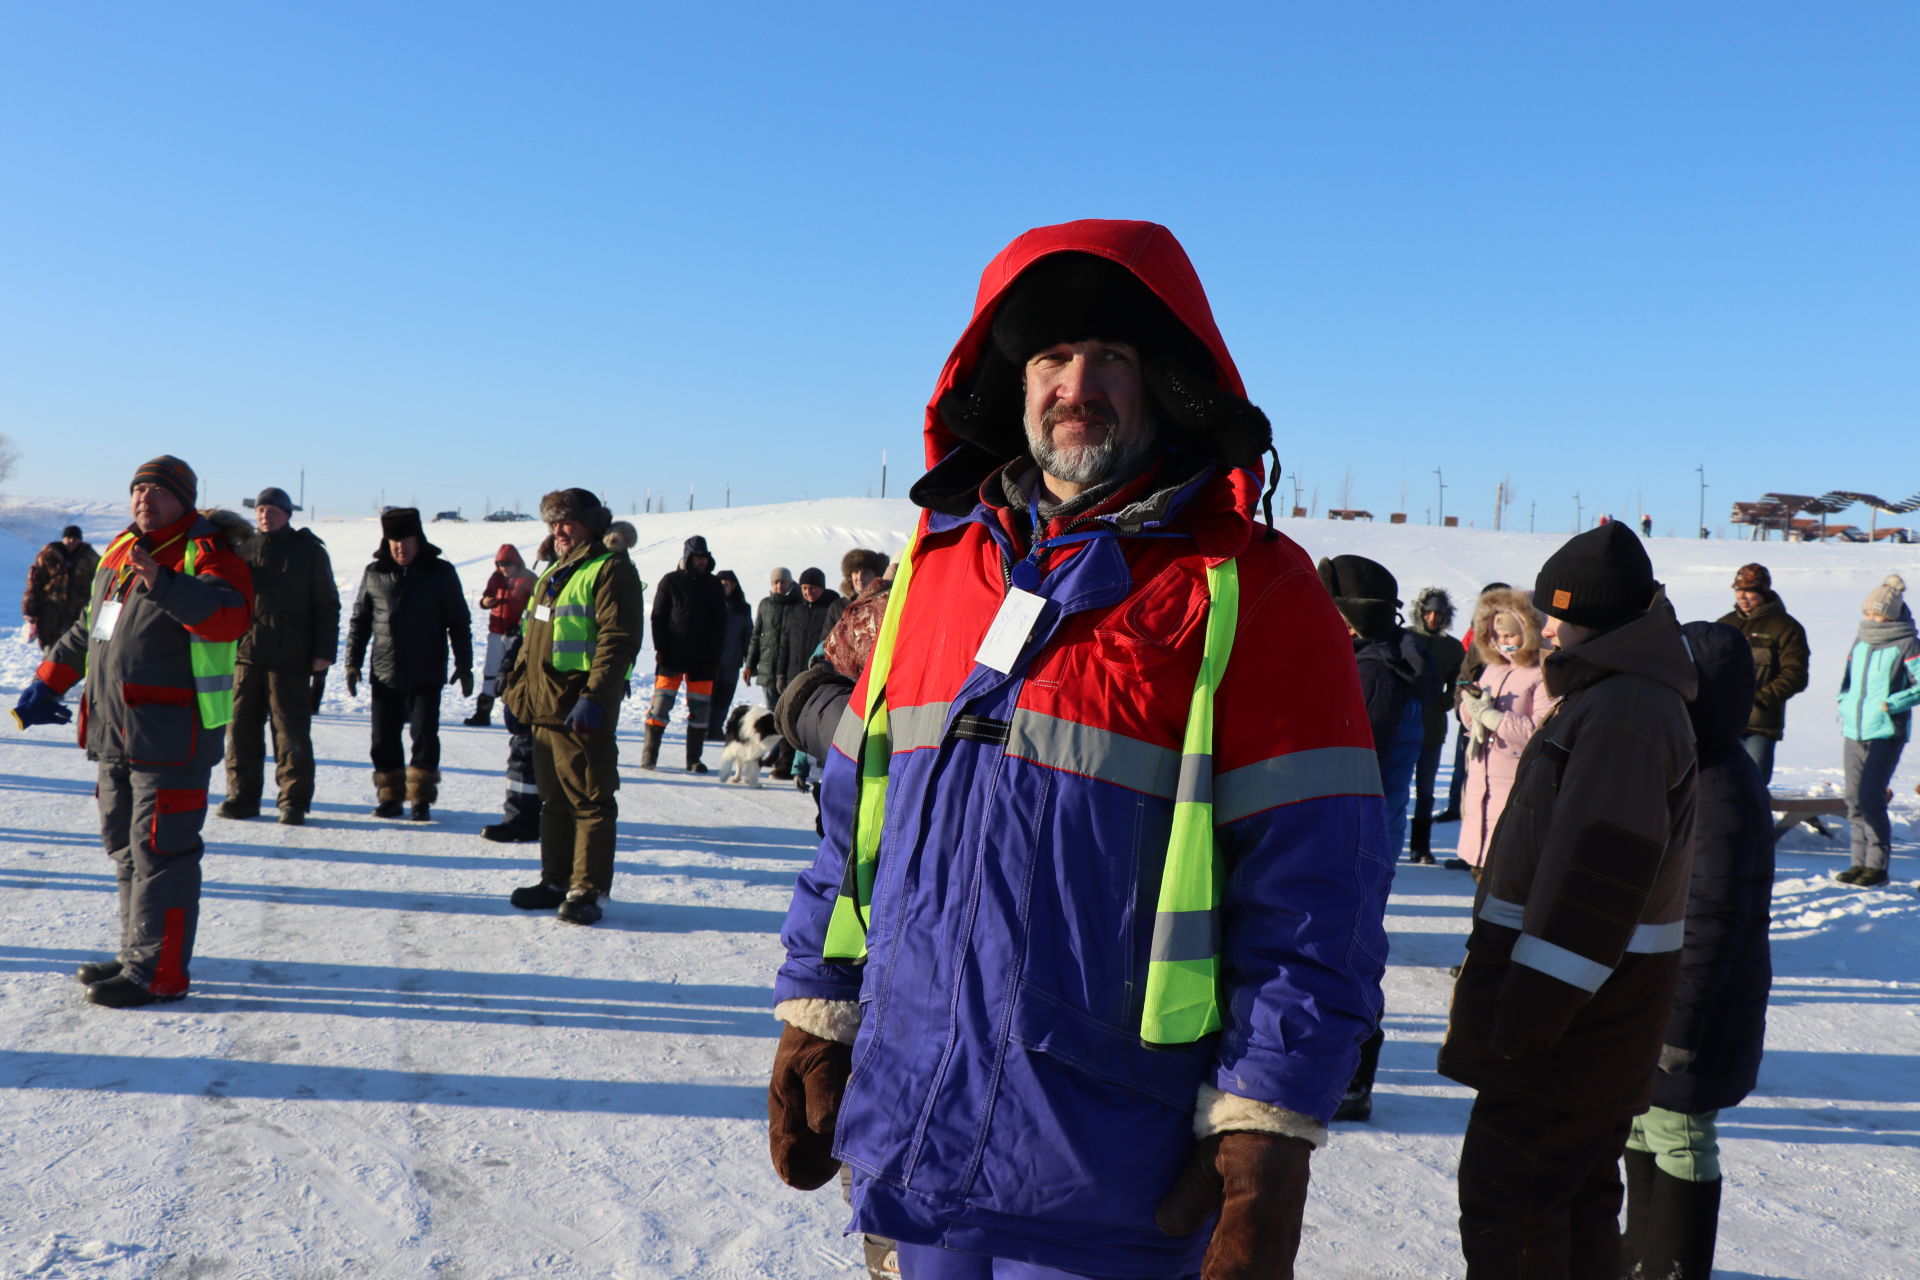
{"points": [[1794, 810]]}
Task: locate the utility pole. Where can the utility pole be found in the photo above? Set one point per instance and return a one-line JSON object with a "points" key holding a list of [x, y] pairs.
{"points": [[1702, 469], [1578, 521], [883, 473], [1531, 508], [1499, 503], [689, 497], [1441, 481]]}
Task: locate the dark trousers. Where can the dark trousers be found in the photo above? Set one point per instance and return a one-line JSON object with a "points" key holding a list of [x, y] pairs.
{"points": [[578, 774], [1540, 1191], [522, 808], [415, 711], [1458, 782], [284, 697], [150, 822], [1424, 774], [725, 685]]}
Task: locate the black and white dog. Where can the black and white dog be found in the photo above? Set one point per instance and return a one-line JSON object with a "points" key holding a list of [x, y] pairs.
{"points": [[750, 735]]}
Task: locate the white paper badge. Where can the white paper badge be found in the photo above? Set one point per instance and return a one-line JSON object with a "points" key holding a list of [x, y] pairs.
{"points": [[105, 619], [1011, 627], [543, 612]]}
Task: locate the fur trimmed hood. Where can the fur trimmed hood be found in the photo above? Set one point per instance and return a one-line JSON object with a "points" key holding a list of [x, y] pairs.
{"points": [[234, 527]]}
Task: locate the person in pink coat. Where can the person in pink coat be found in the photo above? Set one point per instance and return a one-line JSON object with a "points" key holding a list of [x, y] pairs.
{"points": [[1511, 703]]}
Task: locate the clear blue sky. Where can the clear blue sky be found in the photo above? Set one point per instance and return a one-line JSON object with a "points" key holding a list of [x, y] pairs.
{"points": [[451, 251]]}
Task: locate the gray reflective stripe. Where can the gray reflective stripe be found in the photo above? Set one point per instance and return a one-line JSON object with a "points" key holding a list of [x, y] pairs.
{"points": [[213, 684], [573, 646], [523, 788], [847, 734], [1558, 962], [911, 727], [1195, 785], [1297, 776], [1094, 753], [1500, 911], [572, 611], [1185, 935], [1653, 939]]}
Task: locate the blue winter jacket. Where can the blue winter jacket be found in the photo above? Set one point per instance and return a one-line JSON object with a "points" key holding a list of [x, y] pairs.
{"points": [[1882, 670]]}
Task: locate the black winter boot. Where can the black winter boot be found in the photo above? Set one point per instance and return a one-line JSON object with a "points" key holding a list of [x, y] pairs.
{"points": [[696, 739], [581, 907], [1357, 1103], [1683, 1220], [1420, 843], [510, 832], [482, 712], [650, 750], [1637, 1168], [539, 897], [122, 992], [389, 791], [97, 971], [423, 789]]}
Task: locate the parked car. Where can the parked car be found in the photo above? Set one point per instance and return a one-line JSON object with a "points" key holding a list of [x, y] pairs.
{"points": [[508, 517], [454, 516]]}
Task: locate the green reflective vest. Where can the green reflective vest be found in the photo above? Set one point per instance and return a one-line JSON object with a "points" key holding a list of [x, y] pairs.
{"points": [[1181, 1002], [575, 630], [213, 663]]}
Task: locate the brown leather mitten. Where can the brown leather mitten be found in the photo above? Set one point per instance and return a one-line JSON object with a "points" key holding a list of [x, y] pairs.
{"points": [[803, 1103], [1257, 1182]]}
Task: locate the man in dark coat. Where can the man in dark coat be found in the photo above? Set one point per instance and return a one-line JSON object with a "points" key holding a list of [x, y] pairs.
{"points": [[807, 621], [411, 609], [295, 633], [689, 624], [1561, 1006], [734, 639], [1780, 660], [1718, 1028], [58, 581], [1433, 613]]}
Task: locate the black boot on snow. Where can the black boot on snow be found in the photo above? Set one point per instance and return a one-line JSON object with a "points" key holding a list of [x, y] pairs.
{"points": [[508, 833], [696, 739], [482, 712], [650, 749], [236, 810], [97, 971], [539, 897], [581, 907], [122, 992]]}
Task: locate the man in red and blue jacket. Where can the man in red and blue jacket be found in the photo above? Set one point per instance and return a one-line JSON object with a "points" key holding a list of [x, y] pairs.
{"points": [[983, 1066], [170, 601]]}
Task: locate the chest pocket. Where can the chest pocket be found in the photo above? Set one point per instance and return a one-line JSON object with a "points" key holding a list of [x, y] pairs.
{"points": [[1138, 640], [1766, 657]]}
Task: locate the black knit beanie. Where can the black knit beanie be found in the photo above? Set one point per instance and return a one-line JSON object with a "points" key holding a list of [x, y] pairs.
{"points": [[1601, 579], [171, 474], [1367, 595]]}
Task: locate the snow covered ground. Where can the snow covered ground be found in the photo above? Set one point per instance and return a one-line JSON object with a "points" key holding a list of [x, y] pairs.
{"points": [[384, 1070]]}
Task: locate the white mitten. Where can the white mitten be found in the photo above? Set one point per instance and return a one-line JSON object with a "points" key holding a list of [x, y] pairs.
{"points": [[1490, 719]]}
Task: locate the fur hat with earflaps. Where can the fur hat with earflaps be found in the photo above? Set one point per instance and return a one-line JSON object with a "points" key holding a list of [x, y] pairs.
{"points": [[402, 522], [576, 504], [1752, 577], [1365, 592]]}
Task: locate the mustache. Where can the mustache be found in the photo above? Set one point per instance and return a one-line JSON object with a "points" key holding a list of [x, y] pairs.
{"points": [[1097, 413]]}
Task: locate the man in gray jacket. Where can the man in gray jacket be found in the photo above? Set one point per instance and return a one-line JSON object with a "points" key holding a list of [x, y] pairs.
{"points": [[295, 633], [156, 648]]}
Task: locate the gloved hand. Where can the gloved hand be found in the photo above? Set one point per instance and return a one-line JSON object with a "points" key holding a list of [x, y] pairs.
{"points": [[353, 681], [319, 680], [39, 704], [1472, 704], [465, 680], [586, 717], [803, 1105], [1491, 718], [1674, 1060], [1258, 1184]]}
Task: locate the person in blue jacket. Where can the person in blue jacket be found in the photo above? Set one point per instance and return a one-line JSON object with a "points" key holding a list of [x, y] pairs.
{"points": [[1877, 696]]}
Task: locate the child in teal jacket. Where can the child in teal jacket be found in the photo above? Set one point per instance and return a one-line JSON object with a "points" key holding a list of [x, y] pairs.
{"points": [[1877, 697]]}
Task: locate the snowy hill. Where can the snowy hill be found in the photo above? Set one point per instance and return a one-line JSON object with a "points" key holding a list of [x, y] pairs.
{"points": [[384, 1070]]}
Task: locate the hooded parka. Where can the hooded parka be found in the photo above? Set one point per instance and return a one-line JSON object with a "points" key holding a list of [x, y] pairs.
{"points": [[1580, 913], [1001, 1100]]}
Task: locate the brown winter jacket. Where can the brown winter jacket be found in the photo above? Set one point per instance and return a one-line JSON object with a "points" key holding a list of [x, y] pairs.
{"points": [[532, 689], [58, 582], [1581, 911], [1780, 661], [139, 706]]}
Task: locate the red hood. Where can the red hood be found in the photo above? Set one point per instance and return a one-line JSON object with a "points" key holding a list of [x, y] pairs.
{"points": [[511, 554], [1146, 249]]}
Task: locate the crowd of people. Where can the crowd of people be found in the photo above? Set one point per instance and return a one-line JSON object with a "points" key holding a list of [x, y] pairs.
{"points": [[1091, 953]]}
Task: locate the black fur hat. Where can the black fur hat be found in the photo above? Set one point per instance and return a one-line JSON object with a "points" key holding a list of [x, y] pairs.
{"points": [[576, 504], [1367, 595], [402, 522]]}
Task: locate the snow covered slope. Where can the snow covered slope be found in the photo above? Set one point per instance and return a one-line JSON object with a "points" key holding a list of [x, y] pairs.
{"points": [[384, 1070]]}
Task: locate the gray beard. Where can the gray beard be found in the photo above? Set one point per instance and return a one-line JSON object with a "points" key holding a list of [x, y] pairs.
{"points": [[1089, 464]]}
